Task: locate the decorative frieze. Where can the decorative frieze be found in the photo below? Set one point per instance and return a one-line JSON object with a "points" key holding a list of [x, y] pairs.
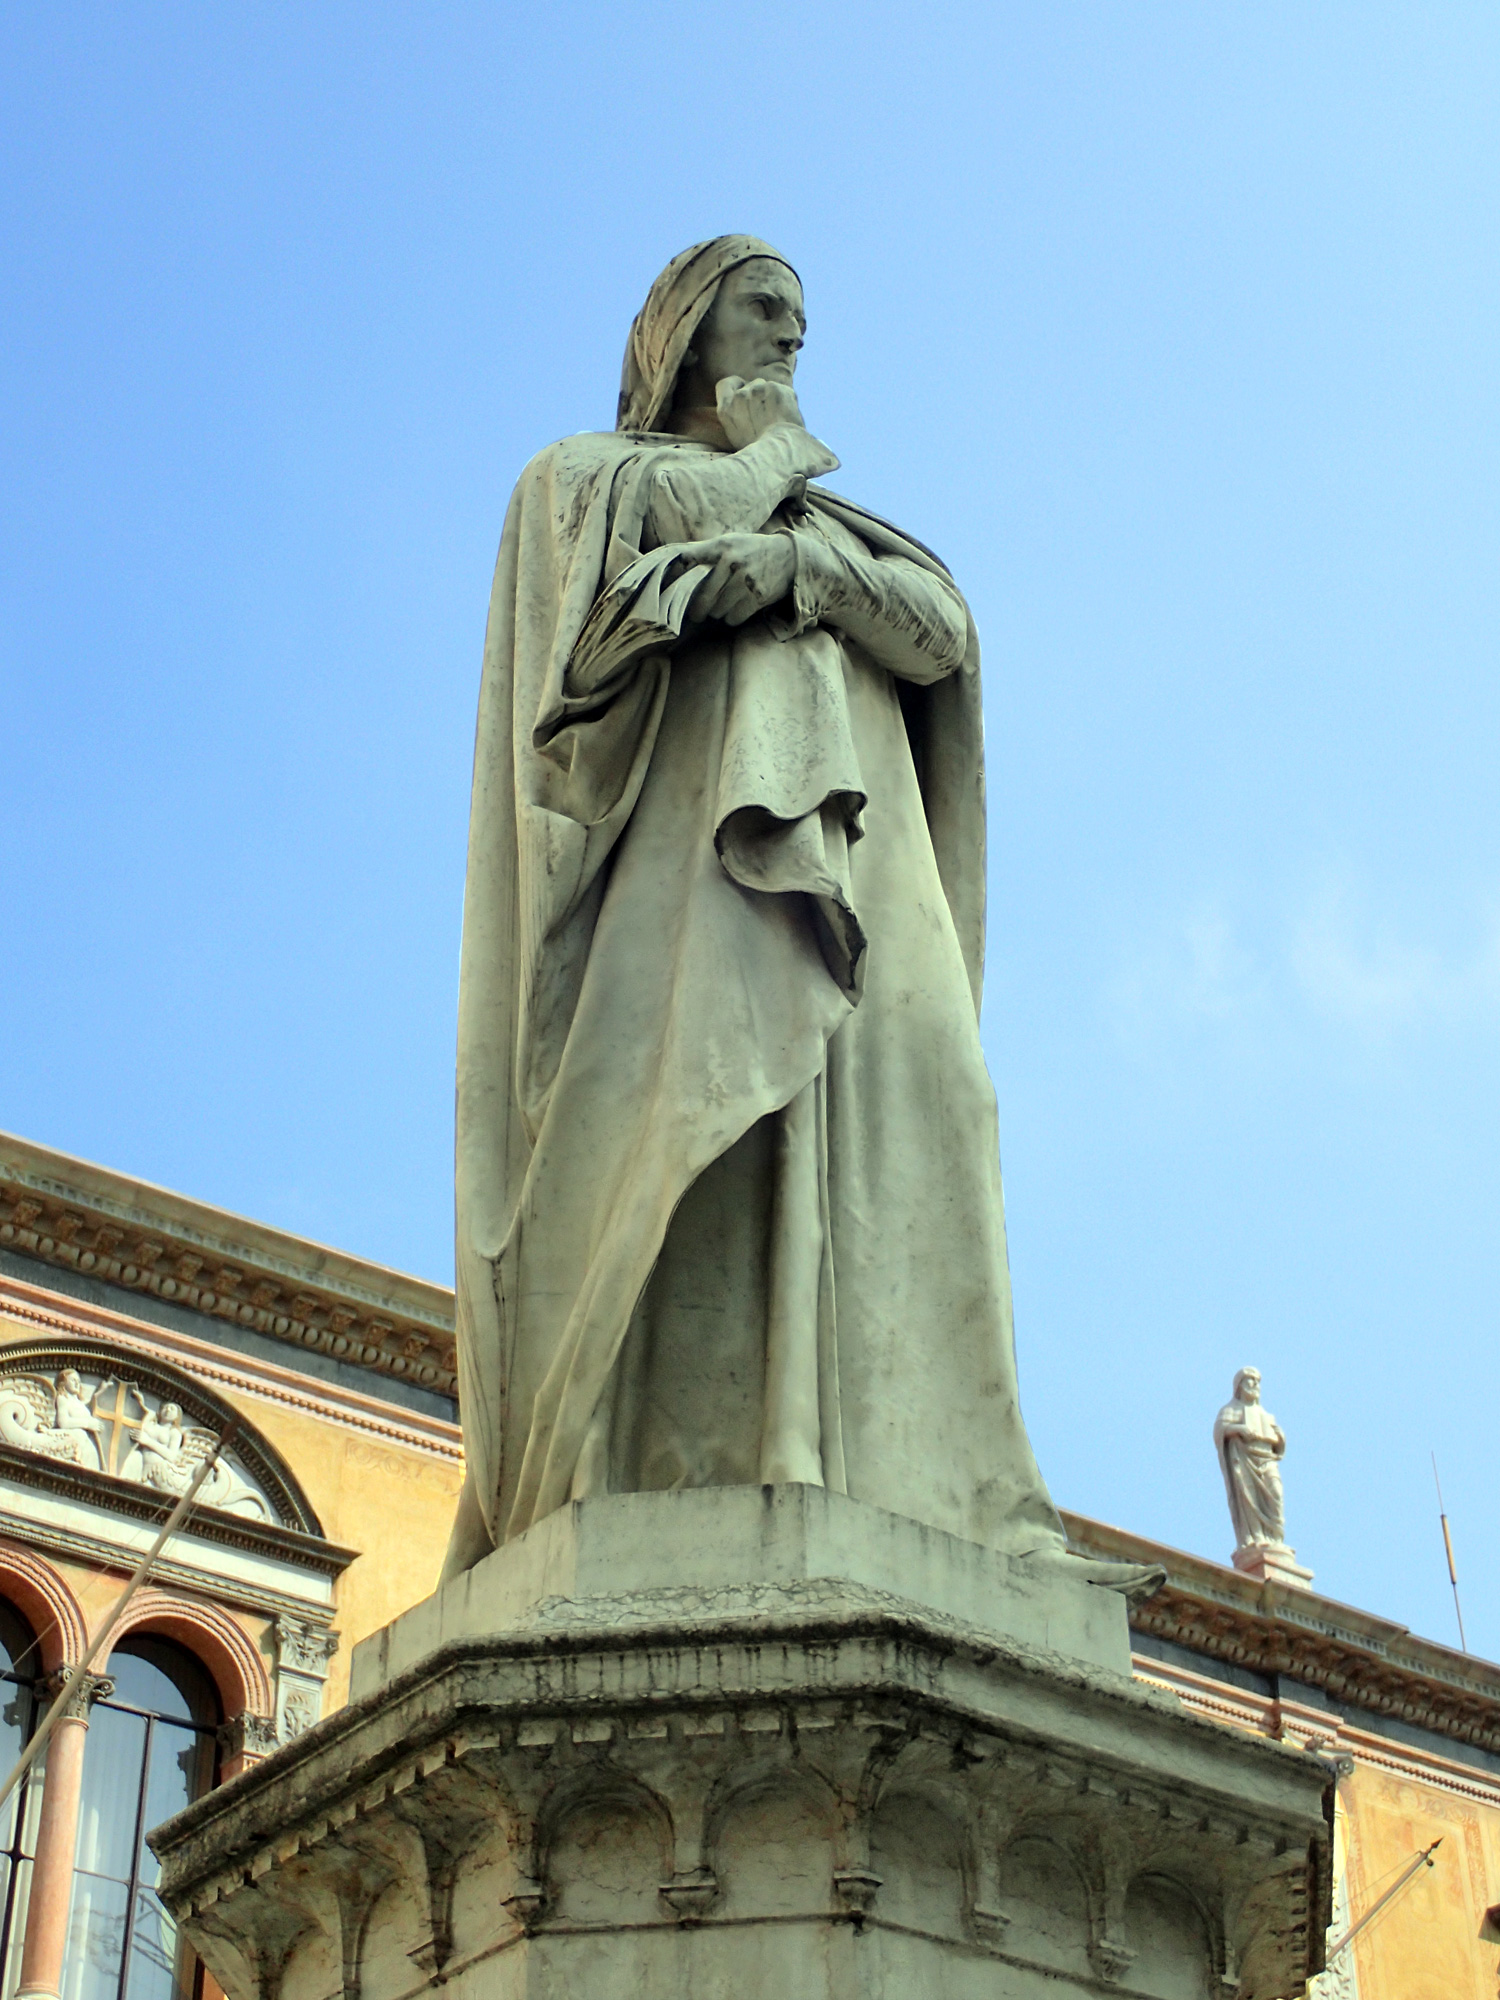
{"points": [[303, 1651], [1352, 1678], [107, 1423], [858, 1805], [1359, 1661], [59, 1230]]}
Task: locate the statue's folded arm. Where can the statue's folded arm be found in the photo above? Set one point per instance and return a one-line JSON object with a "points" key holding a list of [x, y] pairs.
{"points": [[694, 493], [910, 621]]}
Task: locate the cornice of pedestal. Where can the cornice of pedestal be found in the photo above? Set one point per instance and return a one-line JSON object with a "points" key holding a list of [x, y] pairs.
{"points": [[1358, 1660], [144, 1239]]}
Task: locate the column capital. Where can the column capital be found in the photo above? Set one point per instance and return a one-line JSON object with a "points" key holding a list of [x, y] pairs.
{"points": [[304, 1645], [83, 1691], [248, 1735]]}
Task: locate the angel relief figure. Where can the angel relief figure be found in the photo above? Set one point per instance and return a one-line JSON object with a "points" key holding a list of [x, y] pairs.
{"points": [[52, 1420], [74, 1422], [76, 1417], [167, 1454]]}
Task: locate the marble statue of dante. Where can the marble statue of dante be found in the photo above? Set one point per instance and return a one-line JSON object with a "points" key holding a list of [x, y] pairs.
{"points": [[728, 1184], [1250, 1445]]}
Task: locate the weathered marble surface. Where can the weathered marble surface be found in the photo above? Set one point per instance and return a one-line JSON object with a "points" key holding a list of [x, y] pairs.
{"points": [[641, 1558], [729, 1206], [795, 1785]]}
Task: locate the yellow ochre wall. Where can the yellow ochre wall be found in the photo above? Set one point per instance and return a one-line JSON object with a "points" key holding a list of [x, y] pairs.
{"points": [[1426, 1944], [392, 1503]]}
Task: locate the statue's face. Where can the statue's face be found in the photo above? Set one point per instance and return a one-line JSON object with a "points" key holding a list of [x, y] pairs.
{"points": [[754, 327], [1250, 1385], [170, 1414], [68, 1380]]}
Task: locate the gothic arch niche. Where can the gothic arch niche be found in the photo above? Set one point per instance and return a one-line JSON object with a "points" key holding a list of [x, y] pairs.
{"points": [[314, 1967], [484, 1879], [609, 1850], [1043, 1895], [917, 1850], [1165, 1928], [772, 1845], [394, 1930], [145, 1423]]}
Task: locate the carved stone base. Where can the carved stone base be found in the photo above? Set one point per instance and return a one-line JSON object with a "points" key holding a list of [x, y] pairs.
{"points": [[1273, 1562], [800, 1785]]}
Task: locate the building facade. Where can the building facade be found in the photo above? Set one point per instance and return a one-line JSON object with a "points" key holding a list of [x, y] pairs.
{"points": [[139, 1330]]}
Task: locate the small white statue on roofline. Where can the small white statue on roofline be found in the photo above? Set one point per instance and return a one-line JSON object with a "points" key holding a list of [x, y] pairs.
{"points": [[1251, 1445]]}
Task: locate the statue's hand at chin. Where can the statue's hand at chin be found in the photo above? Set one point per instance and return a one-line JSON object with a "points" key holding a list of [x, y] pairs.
{"points": [[746, 573], [747, 410]]}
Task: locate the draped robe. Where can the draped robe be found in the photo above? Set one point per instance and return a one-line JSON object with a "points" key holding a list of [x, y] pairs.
{"points": [[728, 1189], [1250, 1444]]}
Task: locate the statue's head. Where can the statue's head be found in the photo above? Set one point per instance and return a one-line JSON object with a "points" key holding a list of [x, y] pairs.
{"points": [[170, 1413], [69, 1382], [1247, 1386], [731, 306]]}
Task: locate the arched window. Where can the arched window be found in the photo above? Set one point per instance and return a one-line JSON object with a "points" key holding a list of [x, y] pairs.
{"points": [[151, 1750], [20, 1667]]}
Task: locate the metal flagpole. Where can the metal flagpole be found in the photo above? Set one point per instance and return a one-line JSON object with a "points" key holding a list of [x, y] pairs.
{"points": [[106, 1631], [1424, 1859], [1448, 1550]]}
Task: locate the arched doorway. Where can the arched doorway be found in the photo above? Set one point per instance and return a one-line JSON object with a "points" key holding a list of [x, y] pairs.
{"points": [[152, 1749]]}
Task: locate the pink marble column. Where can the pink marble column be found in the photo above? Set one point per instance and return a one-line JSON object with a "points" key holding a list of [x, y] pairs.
{"points": [[57, 1838]]}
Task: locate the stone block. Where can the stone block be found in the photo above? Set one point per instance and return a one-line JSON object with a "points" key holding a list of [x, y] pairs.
{"points": [[647, 1557]]}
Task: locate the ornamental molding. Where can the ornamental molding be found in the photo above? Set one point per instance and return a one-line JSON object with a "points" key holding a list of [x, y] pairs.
{"points": [[213, 1637], [95, 1552], [1412, 1766], [102, 1225], [40, 1594], [1357, 1660], [86, 1407], [119, 1496], [369, 1415]]}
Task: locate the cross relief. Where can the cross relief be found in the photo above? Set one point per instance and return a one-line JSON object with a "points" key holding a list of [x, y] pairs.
{"points": [[105, 1423]]}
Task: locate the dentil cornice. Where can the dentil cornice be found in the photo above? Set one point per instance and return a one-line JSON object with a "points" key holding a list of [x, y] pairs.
{"points": [[84, 1218]]}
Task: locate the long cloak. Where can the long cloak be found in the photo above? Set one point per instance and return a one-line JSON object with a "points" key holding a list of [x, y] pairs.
{"points": [[631, 1017], [1252, 1474]]}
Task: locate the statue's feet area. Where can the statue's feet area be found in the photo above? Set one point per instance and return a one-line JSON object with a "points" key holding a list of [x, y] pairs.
{"points": [[675, 1559]]}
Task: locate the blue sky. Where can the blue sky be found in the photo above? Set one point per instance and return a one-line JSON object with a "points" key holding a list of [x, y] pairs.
{"points": [[1173, 328]]}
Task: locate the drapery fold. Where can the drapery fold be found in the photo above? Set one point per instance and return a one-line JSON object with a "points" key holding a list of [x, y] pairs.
{"points": [[557, 779]]}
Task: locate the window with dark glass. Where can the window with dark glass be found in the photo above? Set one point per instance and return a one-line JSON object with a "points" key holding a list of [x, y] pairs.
{"points": [[20, 1667], [151, 1750]]}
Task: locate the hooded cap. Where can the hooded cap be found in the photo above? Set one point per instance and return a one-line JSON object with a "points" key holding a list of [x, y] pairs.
{"points": [[664, 327]]}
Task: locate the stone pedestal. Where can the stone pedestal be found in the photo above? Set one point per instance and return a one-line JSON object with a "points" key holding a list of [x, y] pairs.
{"points": [[758, 1742], [1273, 1562]]}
